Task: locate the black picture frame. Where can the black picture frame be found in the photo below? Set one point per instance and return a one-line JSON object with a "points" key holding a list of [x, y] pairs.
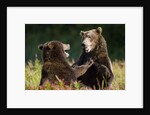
{"points": [[117, 3]]}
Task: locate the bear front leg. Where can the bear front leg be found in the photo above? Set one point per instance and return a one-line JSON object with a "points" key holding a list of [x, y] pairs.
{"points": [[83, 59], [80, 70]]}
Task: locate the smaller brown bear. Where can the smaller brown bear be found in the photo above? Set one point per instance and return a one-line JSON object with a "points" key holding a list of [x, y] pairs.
{"points": [[56, 65]]}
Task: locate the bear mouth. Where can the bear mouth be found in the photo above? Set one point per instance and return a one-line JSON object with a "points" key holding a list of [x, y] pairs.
{"points": [[65, 48], [66, 53], [87, 49]]}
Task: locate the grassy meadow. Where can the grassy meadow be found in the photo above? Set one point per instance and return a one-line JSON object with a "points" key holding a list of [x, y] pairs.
{"points": [[33, 76]]}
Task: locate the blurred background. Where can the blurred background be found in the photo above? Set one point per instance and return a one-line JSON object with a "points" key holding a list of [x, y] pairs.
{"points": [[36, 34]]}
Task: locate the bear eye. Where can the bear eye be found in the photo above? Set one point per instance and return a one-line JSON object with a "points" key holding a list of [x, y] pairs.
{"points": [[88, 36]]}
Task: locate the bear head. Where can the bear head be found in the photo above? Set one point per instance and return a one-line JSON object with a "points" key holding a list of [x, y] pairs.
{"points": [[54, 50], [90, 39]]}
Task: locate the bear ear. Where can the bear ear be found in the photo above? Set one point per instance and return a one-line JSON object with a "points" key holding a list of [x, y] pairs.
{"points": [[40, 46], [99, 30], [50, 45], [82, 33]]}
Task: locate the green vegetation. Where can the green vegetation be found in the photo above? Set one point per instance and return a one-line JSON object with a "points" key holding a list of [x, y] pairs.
{"points": [[33, 76]]}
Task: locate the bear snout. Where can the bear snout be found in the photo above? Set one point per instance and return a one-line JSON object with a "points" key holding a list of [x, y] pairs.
{"points": [[66, 46]]}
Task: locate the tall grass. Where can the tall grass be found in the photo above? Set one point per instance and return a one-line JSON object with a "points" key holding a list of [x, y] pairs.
{"points": [[119, 72], [33, 76]]}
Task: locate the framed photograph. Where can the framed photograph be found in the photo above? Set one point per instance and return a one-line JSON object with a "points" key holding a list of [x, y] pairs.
{"points": [[74, 57]]}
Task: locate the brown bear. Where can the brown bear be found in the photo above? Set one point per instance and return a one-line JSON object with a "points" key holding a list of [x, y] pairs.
{"points": [[100, 74], [55, 63]]}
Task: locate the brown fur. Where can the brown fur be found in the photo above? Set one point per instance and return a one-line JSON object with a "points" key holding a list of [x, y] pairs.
{"points": [[101, 70], [55, 64]]}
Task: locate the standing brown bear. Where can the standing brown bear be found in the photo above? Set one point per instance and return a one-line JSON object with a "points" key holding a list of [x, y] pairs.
{"points": [[100, 74], [55, 63]]}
